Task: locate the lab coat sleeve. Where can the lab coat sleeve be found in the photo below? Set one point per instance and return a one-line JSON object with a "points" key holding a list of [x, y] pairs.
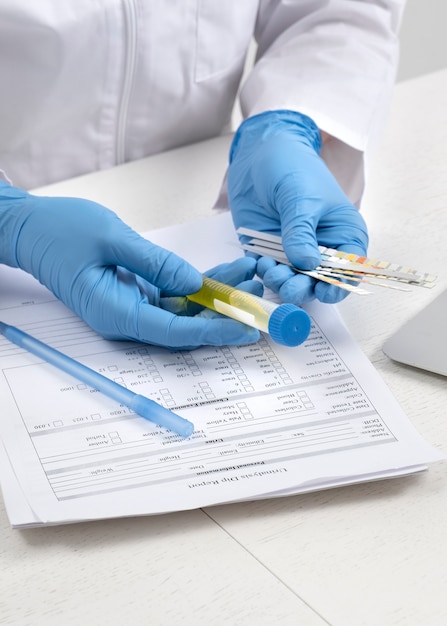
{"points": [[335, 61]]}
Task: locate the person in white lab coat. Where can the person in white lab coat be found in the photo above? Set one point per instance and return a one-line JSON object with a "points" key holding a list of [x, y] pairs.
{"points": [[88, 85]]}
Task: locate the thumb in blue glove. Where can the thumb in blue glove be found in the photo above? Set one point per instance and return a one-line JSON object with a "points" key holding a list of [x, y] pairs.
{"points": [[105, 272], [278, 183]]}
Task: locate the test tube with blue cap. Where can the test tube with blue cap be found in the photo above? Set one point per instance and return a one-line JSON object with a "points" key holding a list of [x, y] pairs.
{"points": [[286, 324]]}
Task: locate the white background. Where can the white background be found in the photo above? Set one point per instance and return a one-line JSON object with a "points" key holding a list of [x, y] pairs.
{"points": [[422, 36]]}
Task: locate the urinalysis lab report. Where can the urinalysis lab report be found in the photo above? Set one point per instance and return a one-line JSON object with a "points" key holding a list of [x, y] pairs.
{"points": [[269, 420]]}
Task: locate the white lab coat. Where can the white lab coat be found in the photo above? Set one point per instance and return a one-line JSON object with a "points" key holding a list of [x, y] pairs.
{"points": [[89, 84]]}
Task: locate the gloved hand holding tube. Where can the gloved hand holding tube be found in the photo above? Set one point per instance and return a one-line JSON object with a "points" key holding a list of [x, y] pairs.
{"points": [[120, 284], [278, 183]]}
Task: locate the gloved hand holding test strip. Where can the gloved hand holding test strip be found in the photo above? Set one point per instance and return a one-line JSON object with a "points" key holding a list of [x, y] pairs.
{"points": [[336, 265]]}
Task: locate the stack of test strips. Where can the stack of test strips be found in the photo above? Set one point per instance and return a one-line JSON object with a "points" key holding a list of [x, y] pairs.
{"points": [[338, 267]]}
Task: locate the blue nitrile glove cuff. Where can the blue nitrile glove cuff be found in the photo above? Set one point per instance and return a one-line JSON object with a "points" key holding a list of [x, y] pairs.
{"points": [[272, 122]]}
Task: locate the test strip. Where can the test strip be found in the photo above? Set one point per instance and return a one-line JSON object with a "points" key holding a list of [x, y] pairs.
{"points": [[363, 278], [345, 265], [280, 257]]}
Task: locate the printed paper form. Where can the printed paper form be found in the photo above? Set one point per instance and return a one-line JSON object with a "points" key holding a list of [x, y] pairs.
{"points": [[267, 419]]}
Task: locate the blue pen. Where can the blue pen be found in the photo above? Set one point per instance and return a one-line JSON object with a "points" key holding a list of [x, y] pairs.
{"points": [[145, 407]]}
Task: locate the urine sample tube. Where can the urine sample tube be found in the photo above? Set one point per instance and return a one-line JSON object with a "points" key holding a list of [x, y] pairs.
{"points": [[286, 324]]}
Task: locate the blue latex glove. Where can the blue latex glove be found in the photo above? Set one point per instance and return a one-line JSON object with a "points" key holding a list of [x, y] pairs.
{"points": [[278, 183], [110, 276]]}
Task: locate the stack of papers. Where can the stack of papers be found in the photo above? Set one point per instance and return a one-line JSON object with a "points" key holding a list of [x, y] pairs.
{"points": [[269, 420]]}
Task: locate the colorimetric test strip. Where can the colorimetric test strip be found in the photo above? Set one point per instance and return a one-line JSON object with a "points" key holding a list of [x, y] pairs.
{"points": [[336, 263]]}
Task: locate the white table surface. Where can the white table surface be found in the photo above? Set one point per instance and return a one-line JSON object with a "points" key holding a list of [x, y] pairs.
{"points": [[373, 554]]}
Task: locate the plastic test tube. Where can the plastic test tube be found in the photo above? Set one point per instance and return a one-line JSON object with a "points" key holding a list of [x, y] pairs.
{"points": [[286, 324]]}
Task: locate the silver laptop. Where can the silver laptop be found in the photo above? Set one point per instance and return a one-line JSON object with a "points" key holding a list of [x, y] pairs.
{"points": [[420, 342]]}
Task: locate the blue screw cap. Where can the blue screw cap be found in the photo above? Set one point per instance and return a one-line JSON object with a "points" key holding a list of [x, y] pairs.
{"points": [[289, 325]]}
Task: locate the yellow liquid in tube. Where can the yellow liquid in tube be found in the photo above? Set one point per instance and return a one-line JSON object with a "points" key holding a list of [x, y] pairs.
{"points": [[285, 323]]}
